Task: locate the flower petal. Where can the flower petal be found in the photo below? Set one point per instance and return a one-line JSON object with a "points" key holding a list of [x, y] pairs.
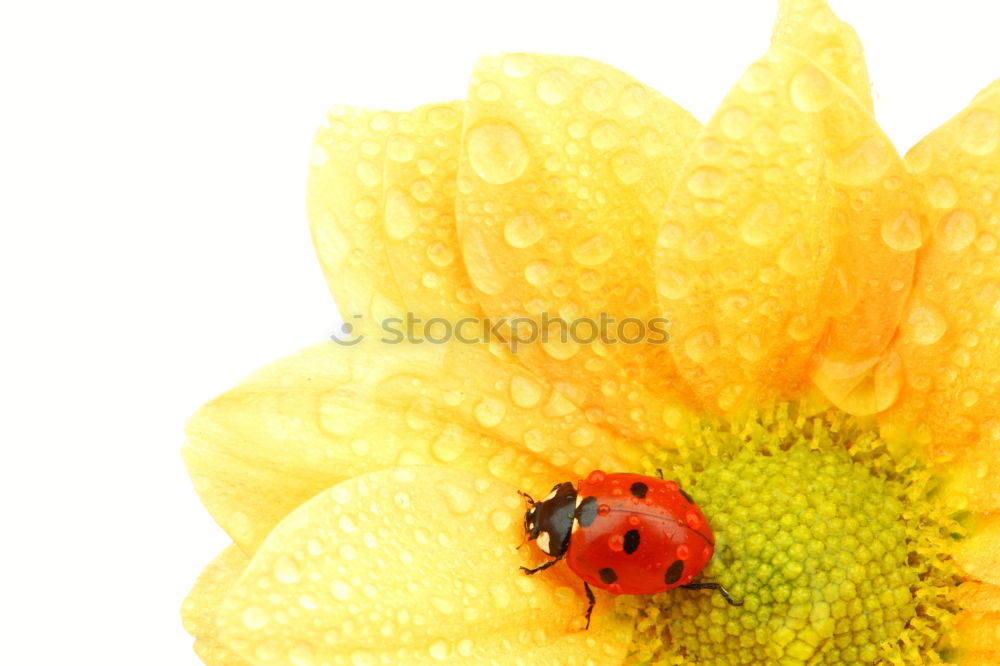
{"points": [[202, 603], [811, 27], [772, 261], [421, 239], [346, 212], [979, 553], [949, 337], [329, 413], [430, 554], [381, 207], [977, 624], [566, 164]]}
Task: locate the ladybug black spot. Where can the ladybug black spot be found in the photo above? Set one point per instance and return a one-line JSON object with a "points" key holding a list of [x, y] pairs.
{"points": [[631, 541], [674, 572], [608, 575], [639, 489], [587, 511], [686, 496]]}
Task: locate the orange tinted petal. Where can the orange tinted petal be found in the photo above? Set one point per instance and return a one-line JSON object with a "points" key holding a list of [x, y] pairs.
{"points": [[949, 337], [771, 261], [565, 167], [979, 553], [978, 625]]}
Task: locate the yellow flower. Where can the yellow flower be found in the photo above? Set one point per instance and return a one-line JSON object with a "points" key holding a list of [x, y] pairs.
{"points": [[828, 392]]}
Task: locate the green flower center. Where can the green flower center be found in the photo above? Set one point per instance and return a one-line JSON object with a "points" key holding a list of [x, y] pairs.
{"points": [[832, 545]]}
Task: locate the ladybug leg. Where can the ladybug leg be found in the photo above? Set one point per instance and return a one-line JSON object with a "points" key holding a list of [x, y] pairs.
{"points": [[713, 586], [592, 600], [540, 567], [659, 473]]}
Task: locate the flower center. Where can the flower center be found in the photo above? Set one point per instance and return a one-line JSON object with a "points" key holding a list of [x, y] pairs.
{"points": [[830, 543]]}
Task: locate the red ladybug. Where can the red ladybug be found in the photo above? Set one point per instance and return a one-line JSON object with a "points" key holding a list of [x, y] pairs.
{"points": [[624, 533]]}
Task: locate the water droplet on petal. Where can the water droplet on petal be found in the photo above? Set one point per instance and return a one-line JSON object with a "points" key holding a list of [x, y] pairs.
{"points": [[902, 233], [444, 117], [627, 166], [759, 227], [598, 95], [811, 90], [925, 323], [490, 411], [286, 570], [941, 193], [539, 273], [400, 216], [254, 618], [440, 254], [525, 393], [523, 230], [702, 346], [594, 251], [488, 91], [707, 182], [756, 79], [606, 135], [956, 231], [400, 148], [553, 86], [979, 132], [749, 347], [635, 100], [497, 152], [735, 122]]}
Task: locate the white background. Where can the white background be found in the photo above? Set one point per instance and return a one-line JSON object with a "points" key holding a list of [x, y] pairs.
{"points": [[155, 248]]}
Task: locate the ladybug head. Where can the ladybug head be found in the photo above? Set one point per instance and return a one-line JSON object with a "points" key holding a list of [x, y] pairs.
{"points": [[550, 521]]}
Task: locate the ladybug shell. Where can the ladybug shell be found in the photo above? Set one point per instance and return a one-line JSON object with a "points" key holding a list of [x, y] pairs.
{"points": [[637, 534]]}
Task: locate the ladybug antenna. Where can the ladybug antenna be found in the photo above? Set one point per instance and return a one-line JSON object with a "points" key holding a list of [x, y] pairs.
{"points": [[528, 503]]}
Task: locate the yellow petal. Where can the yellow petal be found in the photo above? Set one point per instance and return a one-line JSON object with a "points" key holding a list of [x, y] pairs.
{"points": [[330, 412], [948, 339], [979, 553], [202, 604], [565, 167], [413, 565], [772, 262], [419, 204], [978, 640], [811, 27], [346, 213]]}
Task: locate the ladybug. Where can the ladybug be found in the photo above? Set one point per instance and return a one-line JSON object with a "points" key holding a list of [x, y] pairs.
{"points": [[624, 533]]}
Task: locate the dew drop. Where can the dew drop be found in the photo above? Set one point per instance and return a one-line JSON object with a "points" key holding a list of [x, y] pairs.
{"points": [[490, 411], [926, 323], [501, 520], [598, 95], [794, 258], [302, 654], [523, 230], [539, 273], [627, 166], [400, 217], [979, 132], [635, 100], [368, 173], [902, 233], [811, 90], [941, 193], [525, 393], [488, 91], [865, 162], [956, 231], [702, 346], [400, 148], [707, 182], [553, 86], [970, 397], [606, 135], [735, 122], [497, 152], [254, 618], [286, 570], [449, 445], [594, 251], [749, 347], [672, 285], [759, 227], [440, 254], [756, 79]]}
